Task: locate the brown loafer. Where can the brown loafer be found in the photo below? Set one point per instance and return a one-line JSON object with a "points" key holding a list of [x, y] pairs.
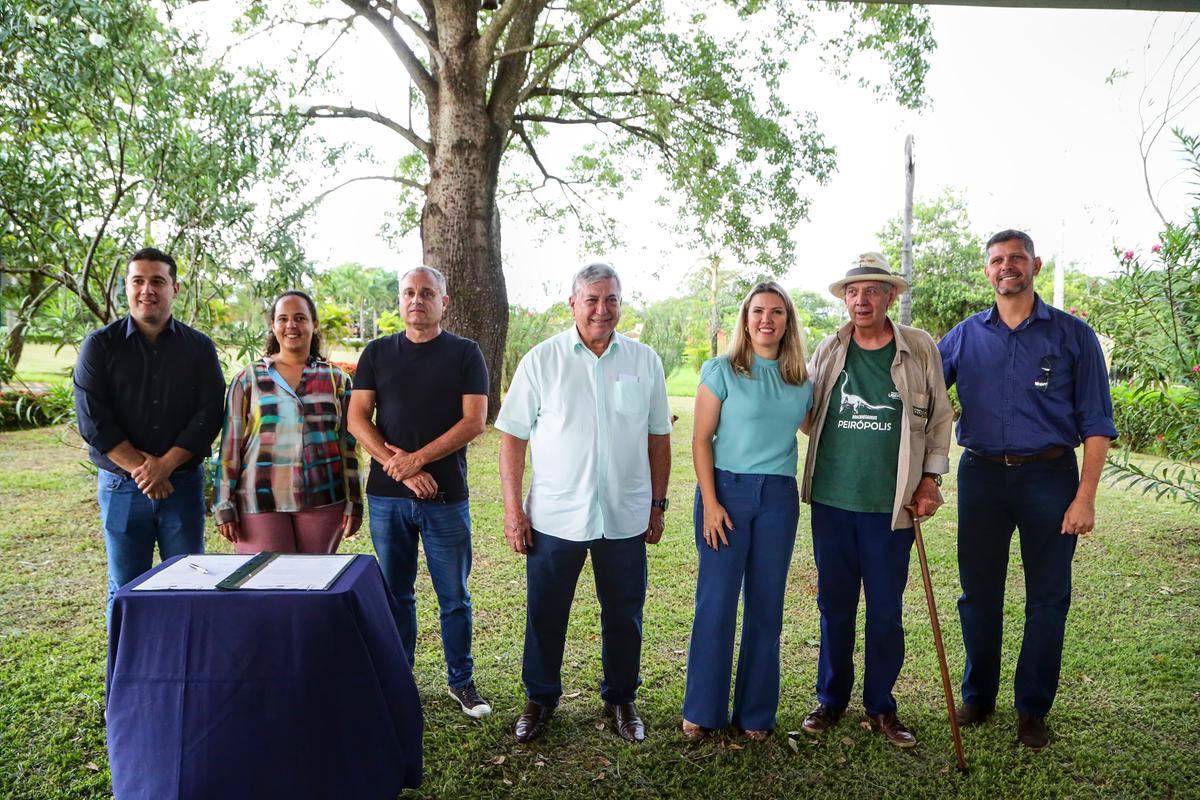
{"points": [[693, 732], [821, 719], [1032, 731], [969, 714], [626, 721], [757, 736], [533, 721], [892, 729]]}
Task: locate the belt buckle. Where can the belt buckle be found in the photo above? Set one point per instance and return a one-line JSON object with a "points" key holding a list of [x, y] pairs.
{"points": [[1008, 463]]}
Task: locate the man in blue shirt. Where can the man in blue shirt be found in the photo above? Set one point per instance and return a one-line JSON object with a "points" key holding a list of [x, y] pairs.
{"points": [[1033, 385]]}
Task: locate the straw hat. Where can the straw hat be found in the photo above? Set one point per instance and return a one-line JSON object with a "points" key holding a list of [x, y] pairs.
{"points": [[869, 267]]}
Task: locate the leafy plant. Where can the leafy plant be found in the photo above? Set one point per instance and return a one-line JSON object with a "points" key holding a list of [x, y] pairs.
{"points": [[1151, 310]]}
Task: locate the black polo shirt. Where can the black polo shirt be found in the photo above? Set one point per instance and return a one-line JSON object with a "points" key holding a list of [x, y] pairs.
{"points": [[157, 396], [418, 396]]}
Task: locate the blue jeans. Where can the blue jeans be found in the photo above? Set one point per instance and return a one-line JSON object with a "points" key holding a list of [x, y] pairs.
{"points": [[764, 510], [552, 571], [133, 524], [445, 528], [854, 548], [993, 500]]}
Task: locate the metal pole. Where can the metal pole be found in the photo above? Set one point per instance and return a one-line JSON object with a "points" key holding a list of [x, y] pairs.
{"points": [[937, 640]]}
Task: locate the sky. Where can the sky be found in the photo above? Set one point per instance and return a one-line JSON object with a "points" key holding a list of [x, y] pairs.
{"points": [[1021, 122]]}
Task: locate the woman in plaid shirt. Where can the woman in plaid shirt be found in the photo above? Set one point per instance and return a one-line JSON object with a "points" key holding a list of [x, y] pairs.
{"points": [[289, 472]]}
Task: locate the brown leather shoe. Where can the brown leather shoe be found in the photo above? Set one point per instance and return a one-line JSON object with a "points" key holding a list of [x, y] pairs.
{"points": [[893, 729], [693, 732], [969, 714], [757, 736], [533, 721], [1032, 731], [626, 721], [821, 719]]}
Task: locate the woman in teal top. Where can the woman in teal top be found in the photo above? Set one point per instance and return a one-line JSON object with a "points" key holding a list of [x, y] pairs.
{"points": [[749, 405]]}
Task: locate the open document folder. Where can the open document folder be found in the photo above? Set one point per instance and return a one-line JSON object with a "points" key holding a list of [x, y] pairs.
{"points": [[262, 571]]}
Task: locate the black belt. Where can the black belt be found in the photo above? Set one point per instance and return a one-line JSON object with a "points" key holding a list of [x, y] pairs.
{"points": [[1012, 460]]}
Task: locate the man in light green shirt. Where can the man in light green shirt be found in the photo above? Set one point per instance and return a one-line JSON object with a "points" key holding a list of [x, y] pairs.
{"points": [[591, 407]]}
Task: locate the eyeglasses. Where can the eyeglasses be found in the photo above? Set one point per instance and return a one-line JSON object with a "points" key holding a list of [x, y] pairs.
{"points": [[1043, 379]]}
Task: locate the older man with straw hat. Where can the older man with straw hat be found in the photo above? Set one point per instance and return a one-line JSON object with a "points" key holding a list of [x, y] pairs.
{"points": [[879, 438]]}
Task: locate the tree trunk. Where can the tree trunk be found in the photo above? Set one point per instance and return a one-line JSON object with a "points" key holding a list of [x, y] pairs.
{"points": [[14, 343], [714, 310], [460, 223]]}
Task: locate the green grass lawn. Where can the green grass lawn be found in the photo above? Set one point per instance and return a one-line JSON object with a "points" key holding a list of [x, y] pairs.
{"points": [[683, 381], [46, 363], [1126, 724]]}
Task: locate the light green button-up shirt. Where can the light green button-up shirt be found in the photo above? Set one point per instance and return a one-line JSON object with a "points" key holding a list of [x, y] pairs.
{"points": [[586, 419]]}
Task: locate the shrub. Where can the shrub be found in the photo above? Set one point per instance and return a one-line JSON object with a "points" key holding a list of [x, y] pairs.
{"points": [[25, 408], [1162, 423]]}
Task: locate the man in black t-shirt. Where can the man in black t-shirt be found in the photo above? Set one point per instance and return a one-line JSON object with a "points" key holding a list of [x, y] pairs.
{"points": [[419, 397]]}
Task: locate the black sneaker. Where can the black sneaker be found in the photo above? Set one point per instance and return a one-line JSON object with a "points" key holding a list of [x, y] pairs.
{"points": [[468, 697]]}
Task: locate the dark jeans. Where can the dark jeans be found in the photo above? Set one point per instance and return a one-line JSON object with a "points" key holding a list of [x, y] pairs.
{"points": [[397, 523], [993, 500], [552, 571], [764, 510], [854, 548], [133, 524]]}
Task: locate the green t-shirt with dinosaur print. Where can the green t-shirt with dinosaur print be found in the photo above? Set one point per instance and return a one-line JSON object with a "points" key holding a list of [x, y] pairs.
{"points": [[860, 442]]}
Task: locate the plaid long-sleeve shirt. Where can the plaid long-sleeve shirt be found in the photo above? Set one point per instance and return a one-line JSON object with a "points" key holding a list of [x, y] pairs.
{"points": [[284, 450]]}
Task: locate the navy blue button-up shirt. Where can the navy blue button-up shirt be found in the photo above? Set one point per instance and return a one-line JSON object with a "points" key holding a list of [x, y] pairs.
{"points": [[155, 395], [1026, 390]]}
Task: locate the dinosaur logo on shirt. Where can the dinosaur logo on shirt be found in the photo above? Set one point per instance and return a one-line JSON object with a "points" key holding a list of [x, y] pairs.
{"points": [[854, 402]]}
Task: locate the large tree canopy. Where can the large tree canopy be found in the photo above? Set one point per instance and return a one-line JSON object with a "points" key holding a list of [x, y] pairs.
{"points": [[693, 92], [116, 132]]}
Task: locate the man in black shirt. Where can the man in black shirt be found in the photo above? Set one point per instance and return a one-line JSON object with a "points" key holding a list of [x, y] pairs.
{"points": [[148, 395], [427, 391]]}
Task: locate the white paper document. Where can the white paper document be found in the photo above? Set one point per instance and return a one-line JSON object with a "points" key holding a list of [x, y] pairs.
{"points": [[193, 572], [290, 571]]}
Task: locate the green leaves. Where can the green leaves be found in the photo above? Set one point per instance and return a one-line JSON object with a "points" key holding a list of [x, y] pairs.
{"points": [[948, 280], [117, 131]]}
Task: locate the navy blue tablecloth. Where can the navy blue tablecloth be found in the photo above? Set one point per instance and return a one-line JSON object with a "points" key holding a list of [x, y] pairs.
{"points": [[261, 694]]}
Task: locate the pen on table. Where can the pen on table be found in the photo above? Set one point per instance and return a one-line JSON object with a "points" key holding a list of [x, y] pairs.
{"points": [[198, 568]]}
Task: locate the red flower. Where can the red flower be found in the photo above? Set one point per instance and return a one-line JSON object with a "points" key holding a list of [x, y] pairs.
{"points": [[1072, 309], [1160, 437], [1085, 315], [1196, 368], [1156, 248], [1128, 256]]}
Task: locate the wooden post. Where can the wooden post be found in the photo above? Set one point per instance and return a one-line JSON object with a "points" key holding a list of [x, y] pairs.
{"points": [[906, 264]]}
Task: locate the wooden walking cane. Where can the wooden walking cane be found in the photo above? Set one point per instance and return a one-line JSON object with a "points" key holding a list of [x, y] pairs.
{"points": [[937, 640]]}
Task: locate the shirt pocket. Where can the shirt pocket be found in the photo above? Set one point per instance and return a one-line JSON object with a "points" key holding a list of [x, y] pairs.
{"points": [[629, 398]]}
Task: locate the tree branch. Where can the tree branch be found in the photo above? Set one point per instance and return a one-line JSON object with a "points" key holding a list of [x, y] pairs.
{"points": [[597, 118], [425, 35], [555, 62], [516, 51], [311, 204], [349, 112], [420, 75], [495, 29]]}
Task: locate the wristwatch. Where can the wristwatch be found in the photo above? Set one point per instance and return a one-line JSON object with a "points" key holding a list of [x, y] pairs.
{"points": [[936, 477], [661, 505]]}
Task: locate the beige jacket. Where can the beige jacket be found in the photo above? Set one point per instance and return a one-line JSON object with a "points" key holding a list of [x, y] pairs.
{"points": [[926, 420]]}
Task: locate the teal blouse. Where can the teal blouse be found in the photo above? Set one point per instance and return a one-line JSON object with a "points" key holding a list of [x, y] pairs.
{"points": [[760, 415]]}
